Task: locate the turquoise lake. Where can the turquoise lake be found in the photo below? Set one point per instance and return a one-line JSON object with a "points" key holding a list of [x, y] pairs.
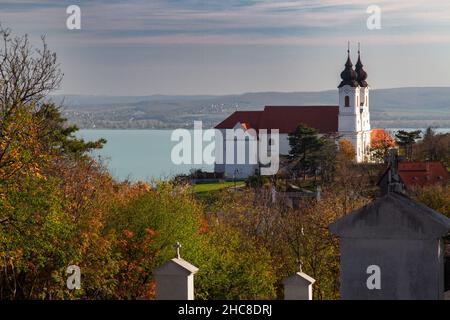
{"points": [[144, 154], [138, 154]]}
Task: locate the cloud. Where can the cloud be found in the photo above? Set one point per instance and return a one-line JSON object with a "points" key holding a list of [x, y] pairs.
{"points": [[139, 22]]}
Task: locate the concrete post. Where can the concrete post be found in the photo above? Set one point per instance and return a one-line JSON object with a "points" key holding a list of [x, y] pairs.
{"points": [[298, 287], [175, 279]]}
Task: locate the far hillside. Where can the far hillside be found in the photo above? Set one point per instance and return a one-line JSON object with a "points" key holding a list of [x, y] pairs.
{"points": [[399, 107]]}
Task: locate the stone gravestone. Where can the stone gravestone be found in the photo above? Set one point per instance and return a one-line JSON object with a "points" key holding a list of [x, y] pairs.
{"points": [[298, 286], [392, 248], [175, 279]]}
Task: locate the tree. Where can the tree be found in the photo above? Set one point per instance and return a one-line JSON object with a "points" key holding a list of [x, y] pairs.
{"points": [[145, 230], [327, 157], [436, 197], [35, 239], [31, 130], [290, 235], [234, 266], [58, 137], [381, 143], [46, 192], [27, 75], [406, 140], [434, 147], [20, 149], [305, 144], [346, 150]]}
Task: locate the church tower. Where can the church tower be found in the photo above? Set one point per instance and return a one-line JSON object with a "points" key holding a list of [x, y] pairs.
{"points": [[354, 117]]}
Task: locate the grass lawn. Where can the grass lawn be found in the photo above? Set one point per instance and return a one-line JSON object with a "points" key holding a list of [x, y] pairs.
{"points": [[214, 186]]}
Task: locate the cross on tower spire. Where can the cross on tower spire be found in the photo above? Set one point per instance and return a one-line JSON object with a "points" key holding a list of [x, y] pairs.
{"points": [[359, 68]]}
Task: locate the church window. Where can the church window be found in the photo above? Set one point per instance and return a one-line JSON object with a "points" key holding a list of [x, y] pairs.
{"points": [[347, 101]]}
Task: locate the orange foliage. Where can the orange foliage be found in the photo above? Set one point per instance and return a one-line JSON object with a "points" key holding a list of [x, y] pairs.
{"points": [[20, 150], [346, 149], [136, 259], [381, 139]]}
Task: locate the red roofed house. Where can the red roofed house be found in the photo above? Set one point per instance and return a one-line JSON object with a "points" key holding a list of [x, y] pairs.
{"points": [[422, 173], [351, 119], [415, 174]]}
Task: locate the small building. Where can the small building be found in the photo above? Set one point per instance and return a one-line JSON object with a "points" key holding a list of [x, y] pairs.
{"points": [[298, 287], [392, 248], [175, 279]]}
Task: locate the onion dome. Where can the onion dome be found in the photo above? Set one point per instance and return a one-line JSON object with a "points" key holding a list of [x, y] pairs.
{"points": [[362, 74], [349, 76]]}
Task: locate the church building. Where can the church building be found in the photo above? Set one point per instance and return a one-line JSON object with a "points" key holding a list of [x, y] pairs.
{"points": [[350, 119]]}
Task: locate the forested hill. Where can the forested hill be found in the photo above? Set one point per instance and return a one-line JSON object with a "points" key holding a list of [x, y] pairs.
{"points": [[399, 107]]}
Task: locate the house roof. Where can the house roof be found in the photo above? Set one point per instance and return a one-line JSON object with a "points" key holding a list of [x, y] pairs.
{"points": [[422, 173], [175, 266], [286, 118], [249, 118], [393, 216], [299, 277]]}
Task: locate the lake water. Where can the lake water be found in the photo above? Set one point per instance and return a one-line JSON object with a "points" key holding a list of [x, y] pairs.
{"points": [[144, 154], [138, 154]]}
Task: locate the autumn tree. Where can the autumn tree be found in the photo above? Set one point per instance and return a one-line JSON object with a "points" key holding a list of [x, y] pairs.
{"points": [[35, 240], [346, 150], [290, 235], [234, 266], [434, 147], [38, 234], [20, 149], [436, 197], [381, 143]]}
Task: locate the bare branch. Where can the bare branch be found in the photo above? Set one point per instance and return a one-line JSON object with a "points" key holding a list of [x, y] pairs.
{"points": [[27, 74]]}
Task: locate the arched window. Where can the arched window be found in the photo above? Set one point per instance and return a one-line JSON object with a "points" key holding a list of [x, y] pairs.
{"points": [[347, 101]]}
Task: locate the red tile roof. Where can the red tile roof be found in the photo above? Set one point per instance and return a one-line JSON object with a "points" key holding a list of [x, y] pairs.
{"points": [[286, 118], [250, 118], [422, 173]]}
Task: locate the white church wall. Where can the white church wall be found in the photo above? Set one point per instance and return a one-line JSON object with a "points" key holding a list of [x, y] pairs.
{"points": [[347, 123], [219, 150], [354, 120], [284, 144], [235, 165]]}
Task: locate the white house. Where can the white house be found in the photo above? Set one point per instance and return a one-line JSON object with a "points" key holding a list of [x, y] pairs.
{"points": [[351, 119]]}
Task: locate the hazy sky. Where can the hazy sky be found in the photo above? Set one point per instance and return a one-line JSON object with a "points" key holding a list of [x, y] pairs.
{"points": [[141, 47]]}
